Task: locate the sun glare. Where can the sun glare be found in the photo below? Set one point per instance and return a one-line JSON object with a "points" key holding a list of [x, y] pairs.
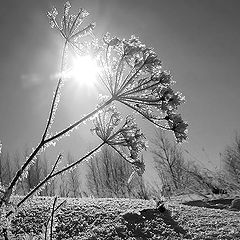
{"points": [[84, 70]]}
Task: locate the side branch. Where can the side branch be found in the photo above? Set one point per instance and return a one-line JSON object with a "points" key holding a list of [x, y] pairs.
{"points": [[53, 106], [9, 190], [66, 130], [54, 101], [52, 174]]}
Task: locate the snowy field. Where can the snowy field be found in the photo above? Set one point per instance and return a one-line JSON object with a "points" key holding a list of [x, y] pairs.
{"points": [[90, 218]]}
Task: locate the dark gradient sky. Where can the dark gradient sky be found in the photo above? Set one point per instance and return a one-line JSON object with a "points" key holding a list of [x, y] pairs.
{"points": [[198, 41]]}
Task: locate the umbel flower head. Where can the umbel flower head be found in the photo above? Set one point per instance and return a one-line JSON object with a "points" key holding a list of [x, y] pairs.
{"points": [[69, 26], [127, 140], [105, 122], [133, 75]]}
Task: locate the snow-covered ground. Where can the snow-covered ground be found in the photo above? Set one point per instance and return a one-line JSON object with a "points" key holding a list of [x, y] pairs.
{"points": [[90, 218]]}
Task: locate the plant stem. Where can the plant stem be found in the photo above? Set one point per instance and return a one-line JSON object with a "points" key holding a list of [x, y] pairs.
{"points": [[51, 225], [38, 186], [55, 210], [8, 192], [78, 161], [44, 141], [53, 105], [51, 174], [79, 122]]}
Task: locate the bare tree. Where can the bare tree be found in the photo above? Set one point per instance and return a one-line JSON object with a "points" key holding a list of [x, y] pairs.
{"points": [[108, 176], [63, 186], [200, 180], [143, 190], [73, 179], [93, 181], [17, 164], [49, 189], [33, 177], [36, 174], [6, 168], [169, 162], [231, 160]]}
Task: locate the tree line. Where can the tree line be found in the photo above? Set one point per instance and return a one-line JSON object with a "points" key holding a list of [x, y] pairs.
{"points": [[107, 174]]}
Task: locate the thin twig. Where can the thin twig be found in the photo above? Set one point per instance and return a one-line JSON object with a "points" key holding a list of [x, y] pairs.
{"points": [[78, 161], [52, 214], [50, 217], [53, 105]]}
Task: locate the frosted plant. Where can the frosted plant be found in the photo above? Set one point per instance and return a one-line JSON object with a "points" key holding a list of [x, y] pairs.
{"points": [[69, 26], [132, 74], [127, 140]]}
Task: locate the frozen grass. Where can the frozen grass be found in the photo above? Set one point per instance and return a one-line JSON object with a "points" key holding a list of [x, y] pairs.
{"points": [[90, 218]]}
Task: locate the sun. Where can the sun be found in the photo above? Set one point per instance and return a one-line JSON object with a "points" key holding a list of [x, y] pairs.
{"points": [[84, 70]]}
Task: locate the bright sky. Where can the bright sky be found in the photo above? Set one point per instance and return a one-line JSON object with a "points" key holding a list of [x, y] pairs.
{"points": [[198, 41]]}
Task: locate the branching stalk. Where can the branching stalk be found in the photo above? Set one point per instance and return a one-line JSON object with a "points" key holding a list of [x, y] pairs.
{"points": [[53, 105], [42, 144], [52, 174], [66, 130], [48, 177], [9, 190], [55, 210], [78, 161]]}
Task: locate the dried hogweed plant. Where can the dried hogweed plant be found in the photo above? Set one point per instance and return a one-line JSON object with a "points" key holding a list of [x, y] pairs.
{"points": [[132, 74]]}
